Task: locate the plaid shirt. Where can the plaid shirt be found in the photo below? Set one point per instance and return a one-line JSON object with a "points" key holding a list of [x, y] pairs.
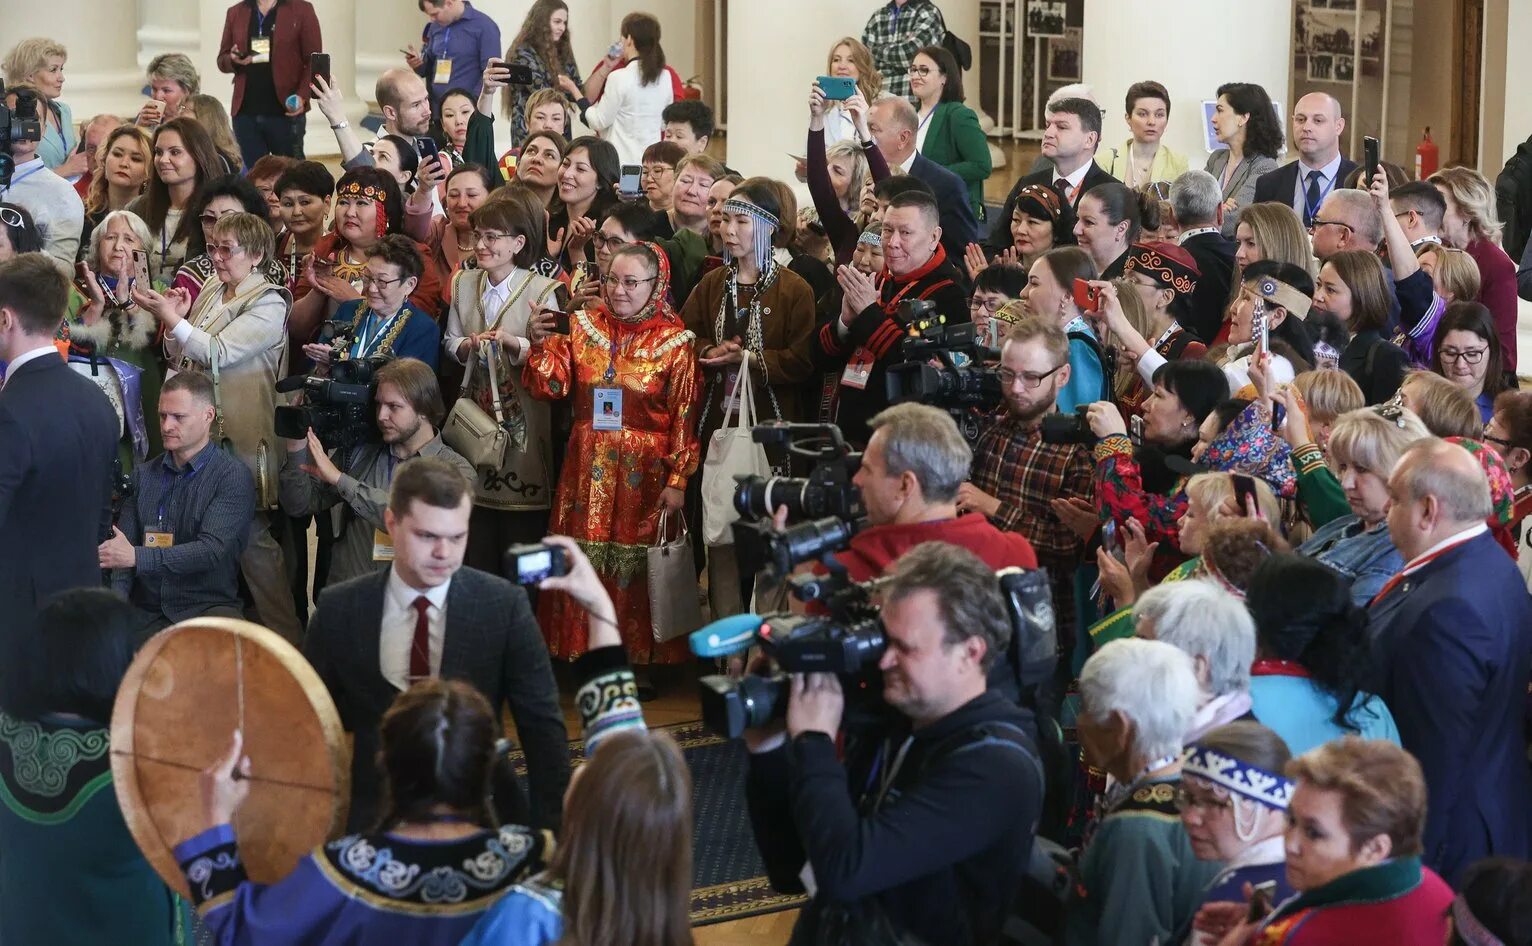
{"points": [[1016, 467], [895, 34]]}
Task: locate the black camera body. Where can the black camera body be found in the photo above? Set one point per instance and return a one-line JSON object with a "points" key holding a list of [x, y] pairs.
{"points": [[1068, 428], [337, 407], [20, 123], [941, 364], [530, 564], [826, 491]]}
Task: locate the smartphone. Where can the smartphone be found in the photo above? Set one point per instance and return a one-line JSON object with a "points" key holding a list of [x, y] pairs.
{"points": [[628, 186], [560, 322], [1246, 498], [837, 88], [1087, 297], [1136, 429], [1261, 897], [427, 148], [530, 564], [319, 66], [518, 74], [82, 279], [1369, 159], [141, 267]]}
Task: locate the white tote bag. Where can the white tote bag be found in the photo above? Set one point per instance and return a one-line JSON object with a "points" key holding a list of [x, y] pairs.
{"points": [[730, 453]]}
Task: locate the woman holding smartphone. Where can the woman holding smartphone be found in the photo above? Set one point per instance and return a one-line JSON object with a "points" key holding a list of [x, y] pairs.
{"points": [[543, 46]]}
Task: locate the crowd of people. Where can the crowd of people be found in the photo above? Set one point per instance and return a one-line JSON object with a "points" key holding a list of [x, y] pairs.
{"points": [[1259, 422]]}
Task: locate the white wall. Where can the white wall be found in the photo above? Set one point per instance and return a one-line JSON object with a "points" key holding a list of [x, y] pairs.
{"points": [[1197, 46]]}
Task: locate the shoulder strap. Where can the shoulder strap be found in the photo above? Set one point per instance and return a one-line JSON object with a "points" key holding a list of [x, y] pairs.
{"points": [[1108, 361], [1372, 356]]}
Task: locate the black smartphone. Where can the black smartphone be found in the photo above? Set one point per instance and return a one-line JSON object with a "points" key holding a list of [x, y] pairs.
{"points": [[427, 148], [1369, 159], [560, 322], [82, 279], [530, 564], [518, 74], [628, 186], [319, 66], [1245, 496]]}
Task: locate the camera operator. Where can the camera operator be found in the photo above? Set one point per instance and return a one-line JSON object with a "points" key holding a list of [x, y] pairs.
{"points": [[1018, 472], [860, 342], [932, 840], [909, 479], [51, 200], [410, 412]]}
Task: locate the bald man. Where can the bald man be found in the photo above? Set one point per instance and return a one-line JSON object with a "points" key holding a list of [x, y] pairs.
{"points": [[1452, 649], [1305, 183]]}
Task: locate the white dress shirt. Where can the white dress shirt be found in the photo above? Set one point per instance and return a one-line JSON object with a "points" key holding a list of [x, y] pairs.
{"points": [[398, 631], [1074, 179], [27, 356], [494, 298], [1327, 183]]}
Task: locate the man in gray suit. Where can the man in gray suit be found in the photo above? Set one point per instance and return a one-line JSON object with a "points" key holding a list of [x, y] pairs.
{"points": [[426, 616]]}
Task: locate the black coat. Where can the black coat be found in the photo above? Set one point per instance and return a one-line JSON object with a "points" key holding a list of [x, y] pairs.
{"points": [[959, 226], [1202, 311], [1000, 227], [58, 447], [492, 641]]}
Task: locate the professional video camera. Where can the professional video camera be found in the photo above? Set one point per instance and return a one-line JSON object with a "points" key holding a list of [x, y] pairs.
{"points": [[16, 124], [940, 364], [826, 491], [337, 403]]}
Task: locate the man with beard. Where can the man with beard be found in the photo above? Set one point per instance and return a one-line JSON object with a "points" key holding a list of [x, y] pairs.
{"points": [[1016, 474], [357, 479]]}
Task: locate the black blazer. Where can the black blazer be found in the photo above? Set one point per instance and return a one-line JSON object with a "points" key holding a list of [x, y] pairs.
{"points": [[1280, 185], [492, 641], [58, 446], [959, 226], [1000, 227], [1202, 311]]}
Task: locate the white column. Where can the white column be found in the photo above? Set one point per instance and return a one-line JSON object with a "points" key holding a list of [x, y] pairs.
{"points": [[165, 26], [1209, 42], [101, 75]]}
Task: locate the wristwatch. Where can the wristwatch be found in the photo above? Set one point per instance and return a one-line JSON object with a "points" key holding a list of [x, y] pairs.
{"points": [[340, 124]]}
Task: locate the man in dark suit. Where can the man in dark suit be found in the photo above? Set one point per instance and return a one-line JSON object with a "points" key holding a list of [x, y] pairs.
{"points": [[426, 616], [1452, 641], [1305, 183], [1198, 203], [1069, 142], [58, 446], [894, 124]]}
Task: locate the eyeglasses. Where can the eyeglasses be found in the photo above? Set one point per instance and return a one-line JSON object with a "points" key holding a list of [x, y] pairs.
{"points": [[1186, 801], [608, 243], [488, 236], [1505, 444], [921, 71], [659, 170], [11, 217], [223, 249], [369, 280], [628, 283], [1470, 355], [988, 305], [1029, 380], [1330, 223], [210, 218]]}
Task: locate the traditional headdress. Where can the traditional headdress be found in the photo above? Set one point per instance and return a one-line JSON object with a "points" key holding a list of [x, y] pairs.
{"points": [[1044, 203], [372, 193], [872, 236], [766, 224], [1468, 927], [1502, 492], [1238, 778], [1276, 291], [1167, 264]]}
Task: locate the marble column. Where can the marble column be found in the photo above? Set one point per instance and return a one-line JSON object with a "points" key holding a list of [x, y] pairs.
{"points": [[100, 75]]}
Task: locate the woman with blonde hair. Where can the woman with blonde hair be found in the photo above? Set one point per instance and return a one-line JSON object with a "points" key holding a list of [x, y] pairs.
{"points": [[122, 170], [214, 119], [1325, 394], [1271, 231], [849, 59], [1446, 409], [1471, 224], [39, 62]]}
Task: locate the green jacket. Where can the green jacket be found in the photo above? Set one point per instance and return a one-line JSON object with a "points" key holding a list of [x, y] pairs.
{"points": [[956, 142], [1318, 489]]}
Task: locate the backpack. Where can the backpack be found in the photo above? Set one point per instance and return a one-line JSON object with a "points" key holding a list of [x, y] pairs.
{"points": [[960, 50]]}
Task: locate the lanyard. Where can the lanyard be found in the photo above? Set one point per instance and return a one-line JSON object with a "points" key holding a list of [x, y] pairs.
{"points": [[18, 180], [362, 346], [260, 21], [446, 38], [1311, 209], [170, 481]]}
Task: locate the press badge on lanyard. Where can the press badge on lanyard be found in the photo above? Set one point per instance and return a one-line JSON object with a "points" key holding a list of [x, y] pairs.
{"points": [[443, 71], [858, 369], [382, 546], [260, 49]]}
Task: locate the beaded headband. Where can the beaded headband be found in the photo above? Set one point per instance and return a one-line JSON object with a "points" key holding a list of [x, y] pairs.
{"points": [[1326, 355], [358, 189], [1248, 781], [871, 238], [763, 234], [1045, 198], [745, 207], [1275, 290]]}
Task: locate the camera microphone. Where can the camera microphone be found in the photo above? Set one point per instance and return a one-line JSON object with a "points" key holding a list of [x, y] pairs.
{"points": [[294, 383], [725, 635]]}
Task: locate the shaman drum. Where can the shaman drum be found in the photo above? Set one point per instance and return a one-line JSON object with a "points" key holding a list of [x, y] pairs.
{"points": [[186, 692]]}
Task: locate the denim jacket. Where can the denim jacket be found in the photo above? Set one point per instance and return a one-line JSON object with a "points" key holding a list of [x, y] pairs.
{"points": [[1366, 556]]}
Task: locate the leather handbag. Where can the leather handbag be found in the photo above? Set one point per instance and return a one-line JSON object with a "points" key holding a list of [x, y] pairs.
{"points": [[673, 606], [731, 454], [481, 439]]}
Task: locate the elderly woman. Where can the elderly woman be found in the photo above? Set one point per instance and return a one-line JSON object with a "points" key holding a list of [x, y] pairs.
{"points": [[234, 330], [1137, 700], [218, 198], [1311, 656], [60, 681], [1233, 802], [1354, 853], [1446, 409], [1364, 446], [1211, 626], [39, 62]]}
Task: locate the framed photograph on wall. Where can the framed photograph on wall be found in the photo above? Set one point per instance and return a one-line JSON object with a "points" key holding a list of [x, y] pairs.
{"points": [[1046, 18], [1064, 63]]}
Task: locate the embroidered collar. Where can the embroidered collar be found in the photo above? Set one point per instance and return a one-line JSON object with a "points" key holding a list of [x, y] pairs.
{"points": [[1377, 884]]}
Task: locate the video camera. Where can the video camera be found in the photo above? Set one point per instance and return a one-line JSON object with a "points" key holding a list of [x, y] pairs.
{"points": [[940, 364], [16, 124], [826, 496], [337, 404]]}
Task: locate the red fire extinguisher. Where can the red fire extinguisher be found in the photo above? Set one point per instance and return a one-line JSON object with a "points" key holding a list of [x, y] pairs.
{"points": [[1427, 157]]}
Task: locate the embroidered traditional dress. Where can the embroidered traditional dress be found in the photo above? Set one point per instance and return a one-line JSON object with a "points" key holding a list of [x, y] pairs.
{"points": [[1398, 902], [1175, 343], [609, 489]]}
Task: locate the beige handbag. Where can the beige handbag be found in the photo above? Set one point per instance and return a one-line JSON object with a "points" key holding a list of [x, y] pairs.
{"points": [[673, 606], [481, 439]]}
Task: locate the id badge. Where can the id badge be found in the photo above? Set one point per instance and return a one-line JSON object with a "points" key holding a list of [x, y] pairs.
{"points": [[382, 546], [260, 49], [159, 540], [443, 72], [607, 414], [730, 379], [858, 369]]}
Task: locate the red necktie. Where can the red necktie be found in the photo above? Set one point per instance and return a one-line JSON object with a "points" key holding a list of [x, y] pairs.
{"points": [[420, 647]]}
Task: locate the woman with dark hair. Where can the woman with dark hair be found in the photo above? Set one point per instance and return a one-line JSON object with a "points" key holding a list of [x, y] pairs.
{"points": [[587, 187], [629, 366], [1144, 158], [949, 131], [1107, 223], [630, 92], [1040, 221], [1468, 354], [184, 159], [1245, 121], [993, 306], [1282, 291], [1353, 286], [70, 864], [545, 46], [1311, 656], [304, 192], [219, 197], [19, 234], [399, 158], [538, 165], [450, 235], [1159, 274], [368, 207], [1494, 907], [1049, 294]]}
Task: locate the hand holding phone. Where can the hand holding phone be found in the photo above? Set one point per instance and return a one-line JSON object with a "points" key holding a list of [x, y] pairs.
{"points": [[1245, 497], [1087, 297], [319, 66], [1370, 159], [837, 88]]}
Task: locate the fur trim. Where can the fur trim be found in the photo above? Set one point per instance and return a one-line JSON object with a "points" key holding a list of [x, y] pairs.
{"points": [[132, 329]]}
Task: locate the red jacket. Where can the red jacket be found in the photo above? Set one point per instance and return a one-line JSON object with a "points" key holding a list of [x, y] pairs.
{"points": [[294, 37], [873, 551]]}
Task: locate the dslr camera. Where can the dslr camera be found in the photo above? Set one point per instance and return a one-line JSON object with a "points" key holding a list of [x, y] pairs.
{"points": [[16, 124], [337, 402], [941, 364], [1068, 428]]}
